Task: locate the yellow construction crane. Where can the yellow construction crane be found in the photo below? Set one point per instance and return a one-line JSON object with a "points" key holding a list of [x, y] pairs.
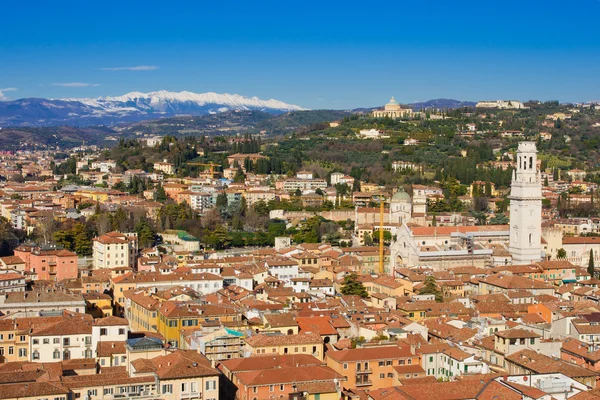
{"points": [[381, 209], [211, 165]]}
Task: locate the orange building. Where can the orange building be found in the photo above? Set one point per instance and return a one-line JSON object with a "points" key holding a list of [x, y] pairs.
{"points": [[173, 189], [371, 367], [50, 265]]}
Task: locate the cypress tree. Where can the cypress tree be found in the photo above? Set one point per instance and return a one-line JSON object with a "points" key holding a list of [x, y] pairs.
{"points": [[590, 268]]}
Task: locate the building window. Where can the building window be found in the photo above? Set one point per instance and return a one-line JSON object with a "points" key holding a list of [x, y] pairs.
{"points": [[56, 340], [35, 355], [167, 388], [121, 331], [56, 354], [211, 385], [66, 342], [22, 352], [46, 340], [390, 375], [381, 376], [271, 388], [103, 332], [66, 355], [345, 365]]}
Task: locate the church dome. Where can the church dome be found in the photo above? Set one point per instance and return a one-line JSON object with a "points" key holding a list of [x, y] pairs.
{"points": [[400, 196], [392, 105]]}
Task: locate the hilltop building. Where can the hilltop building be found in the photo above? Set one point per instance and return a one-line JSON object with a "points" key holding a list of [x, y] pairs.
{"points": [[392, 110], [502, 104]]}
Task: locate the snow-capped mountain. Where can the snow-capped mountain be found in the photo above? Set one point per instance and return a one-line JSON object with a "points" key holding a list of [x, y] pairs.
{"points": [[130, 107]]}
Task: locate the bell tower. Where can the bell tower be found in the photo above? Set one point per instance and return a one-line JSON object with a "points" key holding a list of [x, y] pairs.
{"points": [[526, 207]]}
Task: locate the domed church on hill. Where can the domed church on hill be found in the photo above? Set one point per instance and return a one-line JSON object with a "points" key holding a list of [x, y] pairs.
{"points": [[393, 110]]}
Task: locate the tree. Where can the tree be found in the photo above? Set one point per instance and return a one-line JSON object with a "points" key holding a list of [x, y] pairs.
{"points": [[561, 254], [352, 287], [145, 233], [46, 225], [161, 195], [499, 219], [590, 269], [221, 200], [239, 176], [430, 287], [218, 239]]}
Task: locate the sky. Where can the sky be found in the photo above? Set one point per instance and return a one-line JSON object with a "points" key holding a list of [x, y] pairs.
{"points": [[316, 54]]}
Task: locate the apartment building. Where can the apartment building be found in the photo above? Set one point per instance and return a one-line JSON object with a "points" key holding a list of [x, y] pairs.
{"points": [[49, 264], [372, 367], [115, 249], [38, 302], [308, 343]]}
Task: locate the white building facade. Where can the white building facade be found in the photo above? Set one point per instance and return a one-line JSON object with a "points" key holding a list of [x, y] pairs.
{"points": [[526, 207]]}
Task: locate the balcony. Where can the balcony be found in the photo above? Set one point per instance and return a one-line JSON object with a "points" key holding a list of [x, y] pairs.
{"points": [[364, 371], [136, 395], [363, 383], [190, 396]]}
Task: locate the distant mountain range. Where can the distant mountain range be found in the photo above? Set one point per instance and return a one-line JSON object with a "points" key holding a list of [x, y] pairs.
{"points": [[136, 106], [131, 107]]}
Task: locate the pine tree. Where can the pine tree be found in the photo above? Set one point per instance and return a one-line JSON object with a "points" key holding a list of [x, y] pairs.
{"points": [[590, 269], [161, 195], [352, 287]]}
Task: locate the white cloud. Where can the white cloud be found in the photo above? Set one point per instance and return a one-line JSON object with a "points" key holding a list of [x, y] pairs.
{"points": [[136, 68], [75, 84], [3, 96]]}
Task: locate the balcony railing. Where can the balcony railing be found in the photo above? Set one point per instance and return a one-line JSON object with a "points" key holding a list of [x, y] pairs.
{"points": [[364, 371], [363, 383]]}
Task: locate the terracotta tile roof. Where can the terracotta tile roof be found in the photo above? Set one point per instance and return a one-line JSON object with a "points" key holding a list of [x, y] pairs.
{"points": [[514, 282], [320, 325], [313, 373], [118, 377], [444, 391], [183, 364], [540, 363], [517, 334], [65, 326], [281, 320], [32, 390], [280, 340], [111, 321], [580, 349], [370, 353], [409, 369], [266, 362], [107, 349], [456, 353], [447, 230]]}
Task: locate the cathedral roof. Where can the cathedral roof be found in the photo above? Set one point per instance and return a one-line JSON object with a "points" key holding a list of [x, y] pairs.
{"points": [[400, 196]]}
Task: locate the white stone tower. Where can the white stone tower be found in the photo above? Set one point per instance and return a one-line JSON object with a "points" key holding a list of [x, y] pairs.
{"points": [[526, 207]]}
